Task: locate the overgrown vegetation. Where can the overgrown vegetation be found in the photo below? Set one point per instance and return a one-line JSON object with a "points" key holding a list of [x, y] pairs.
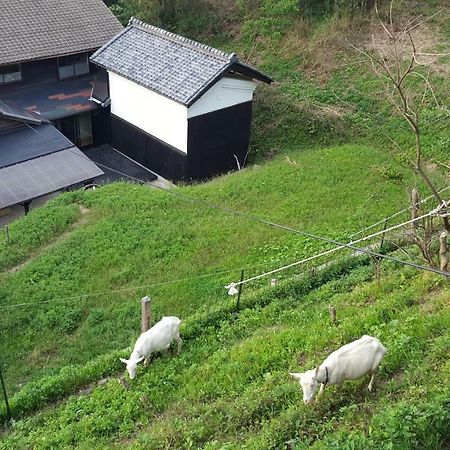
{"points": [[318, 162]]}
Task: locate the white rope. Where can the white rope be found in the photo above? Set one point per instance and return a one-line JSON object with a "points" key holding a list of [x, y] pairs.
{"points": [[232, 286], [397, 213]]}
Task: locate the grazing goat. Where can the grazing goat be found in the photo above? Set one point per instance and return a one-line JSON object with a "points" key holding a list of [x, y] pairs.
{"points": [[350, 362], [157, 338]]}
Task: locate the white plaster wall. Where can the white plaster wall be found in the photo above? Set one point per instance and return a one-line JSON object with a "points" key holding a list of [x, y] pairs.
{"points": [[226, 92], [151, 112]]}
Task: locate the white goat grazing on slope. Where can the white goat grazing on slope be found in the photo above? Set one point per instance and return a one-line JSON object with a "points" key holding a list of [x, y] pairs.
{"points": [[351, 361], [157, 338]]}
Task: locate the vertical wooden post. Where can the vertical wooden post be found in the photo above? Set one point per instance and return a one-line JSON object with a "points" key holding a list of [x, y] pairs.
{"points": [[443, 251], [146, 313], [332, 311], [8, 410], [239, 291], [7, 233]]}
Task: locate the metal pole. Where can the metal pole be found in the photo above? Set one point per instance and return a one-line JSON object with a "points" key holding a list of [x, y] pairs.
{"points": [[8, 410], [239, 291]]}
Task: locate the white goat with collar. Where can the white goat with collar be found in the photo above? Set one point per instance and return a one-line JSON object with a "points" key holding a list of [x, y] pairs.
{"points": [[157, 338], [351, 361]]}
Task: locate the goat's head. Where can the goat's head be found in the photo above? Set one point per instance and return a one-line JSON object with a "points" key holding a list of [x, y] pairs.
{"points": [[308, 382], [132, 365]]}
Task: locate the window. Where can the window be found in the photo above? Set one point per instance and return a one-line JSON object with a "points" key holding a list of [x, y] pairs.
{"points": [[10, 74], [73, 65]]}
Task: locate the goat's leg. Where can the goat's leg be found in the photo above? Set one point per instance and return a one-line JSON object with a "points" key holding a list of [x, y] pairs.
{"points": [[370, 387], [322, 387], [180, 343]]}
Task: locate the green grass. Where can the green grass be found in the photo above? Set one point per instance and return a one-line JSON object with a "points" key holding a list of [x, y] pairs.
{"points": [[230, 385], [138, 236], [320, 161]]}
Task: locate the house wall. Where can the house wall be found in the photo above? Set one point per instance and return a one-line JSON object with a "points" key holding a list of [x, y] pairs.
{"points": [[228, 91], [37, 72], [149, 151], [154, 114], [214, 138], [182, 143], [34, 73]]}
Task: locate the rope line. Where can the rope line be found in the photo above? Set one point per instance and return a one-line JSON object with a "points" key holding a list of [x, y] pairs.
{"points": [[397, 213], [131, 288], [233, 285]]}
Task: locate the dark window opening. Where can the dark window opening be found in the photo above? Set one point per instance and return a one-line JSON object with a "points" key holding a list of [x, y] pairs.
{"points": [[73, 65], [10, 73]]}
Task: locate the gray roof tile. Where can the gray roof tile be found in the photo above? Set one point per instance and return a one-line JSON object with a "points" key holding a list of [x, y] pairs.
{"points": [[36, 29], [169, 64]]}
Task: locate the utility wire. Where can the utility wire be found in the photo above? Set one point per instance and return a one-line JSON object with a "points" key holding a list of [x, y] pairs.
{"points": [[231, 286], [303, 233], [131, 288]]}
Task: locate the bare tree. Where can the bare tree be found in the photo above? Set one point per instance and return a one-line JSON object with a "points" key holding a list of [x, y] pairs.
{"points": [[396, 60]]}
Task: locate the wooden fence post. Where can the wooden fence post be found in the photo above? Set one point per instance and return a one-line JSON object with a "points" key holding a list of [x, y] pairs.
{"points": [[443, 251], [332, 311], [146, 313], [239, 291]]}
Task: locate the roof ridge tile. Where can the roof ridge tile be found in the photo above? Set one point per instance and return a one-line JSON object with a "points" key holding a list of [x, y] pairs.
{"points": [[137, 23]]}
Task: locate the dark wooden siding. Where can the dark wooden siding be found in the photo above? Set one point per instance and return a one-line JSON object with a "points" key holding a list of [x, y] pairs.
{"points": [[101, 126], [215, 137], [146, 149], [34, 73]]}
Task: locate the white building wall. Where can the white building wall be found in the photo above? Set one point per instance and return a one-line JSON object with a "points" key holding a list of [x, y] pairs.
{"points": [[226, 92], [168, 120], [151, 112]]}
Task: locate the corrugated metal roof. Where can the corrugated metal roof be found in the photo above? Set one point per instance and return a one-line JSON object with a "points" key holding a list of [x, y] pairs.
{"points": [[169, 64], [30, 142], [36, 29], [40, 176]]}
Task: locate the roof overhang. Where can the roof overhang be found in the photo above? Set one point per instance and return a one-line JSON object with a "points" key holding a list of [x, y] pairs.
{"points": [[56, 100]]}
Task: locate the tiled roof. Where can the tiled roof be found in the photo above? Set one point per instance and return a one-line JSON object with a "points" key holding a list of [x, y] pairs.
{"points": [[169, 64], [36, 29]]}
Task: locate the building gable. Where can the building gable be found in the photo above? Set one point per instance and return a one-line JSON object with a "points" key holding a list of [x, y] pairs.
{"points": [[168, 64]]}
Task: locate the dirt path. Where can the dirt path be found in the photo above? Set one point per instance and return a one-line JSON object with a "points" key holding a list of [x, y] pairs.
{"points": [[82, 220]]}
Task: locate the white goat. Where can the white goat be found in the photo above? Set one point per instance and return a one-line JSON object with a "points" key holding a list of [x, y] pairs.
{"points": [[157, 338], [349, 362]]}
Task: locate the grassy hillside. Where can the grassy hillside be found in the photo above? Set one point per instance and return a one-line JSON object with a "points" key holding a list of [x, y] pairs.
{"points": [[129, 235], [73, 274], [133, 236]]}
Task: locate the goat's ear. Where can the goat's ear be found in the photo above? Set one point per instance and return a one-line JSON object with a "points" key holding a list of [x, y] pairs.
{"points": [[317, 371], [140, 359], [125, 361], [295, 376]]}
